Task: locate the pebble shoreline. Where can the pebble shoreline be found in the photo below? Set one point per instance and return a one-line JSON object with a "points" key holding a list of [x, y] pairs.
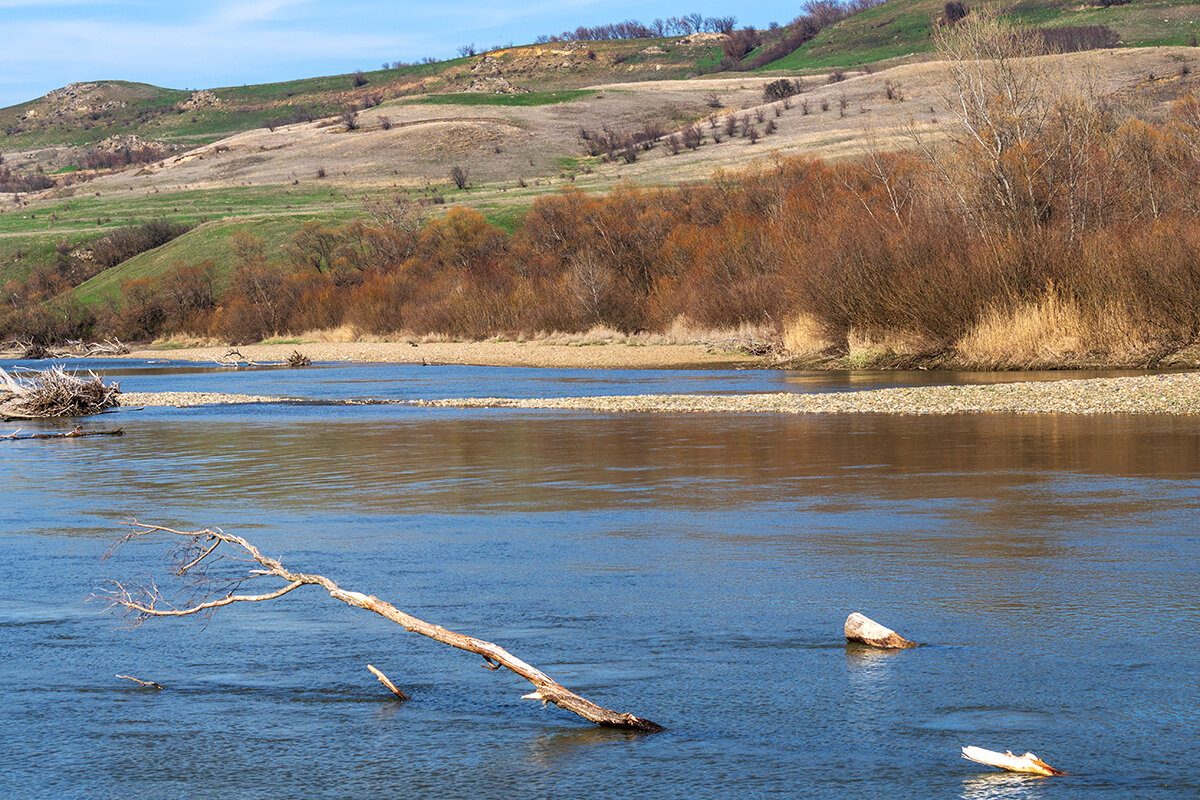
{"points": [[1175, 393]]}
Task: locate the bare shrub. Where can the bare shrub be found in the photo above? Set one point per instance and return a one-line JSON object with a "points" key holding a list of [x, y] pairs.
{"points": [[782, 88], [460, 176], [953, 11]]}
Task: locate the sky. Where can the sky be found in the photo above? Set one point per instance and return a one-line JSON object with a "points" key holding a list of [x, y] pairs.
{"points": [[203, 44]]}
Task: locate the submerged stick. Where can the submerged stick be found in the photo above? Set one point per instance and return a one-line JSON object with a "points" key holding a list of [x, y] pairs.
{"points": [[75, 434], [195, 556], [384, 680]]}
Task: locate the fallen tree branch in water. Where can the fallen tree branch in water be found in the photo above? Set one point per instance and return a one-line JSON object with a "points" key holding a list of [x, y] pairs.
{"points": [[74, 434], [202, 550]]}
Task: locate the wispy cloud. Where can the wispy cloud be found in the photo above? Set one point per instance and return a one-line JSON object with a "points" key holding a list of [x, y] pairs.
{"points": [[236, 14]]}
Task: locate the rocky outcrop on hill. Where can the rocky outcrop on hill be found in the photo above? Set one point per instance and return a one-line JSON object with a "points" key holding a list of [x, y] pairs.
{"points": [[201, 99], [73, 101]]}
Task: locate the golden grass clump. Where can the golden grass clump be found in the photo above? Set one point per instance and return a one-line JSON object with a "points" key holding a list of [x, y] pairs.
{"points": [[1051, 331], [804, 335]]}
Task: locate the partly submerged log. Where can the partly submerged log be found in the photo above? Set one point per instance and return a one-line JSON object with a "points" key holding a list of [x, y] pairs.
{"points": [[145, 684], [869, 632], [1028, 762], [195, 561]]}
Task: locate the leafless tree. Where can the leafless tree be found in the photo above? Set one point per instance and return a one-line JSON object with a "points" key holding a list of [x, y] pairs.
{"points": [[460, 175], [218, 565]]}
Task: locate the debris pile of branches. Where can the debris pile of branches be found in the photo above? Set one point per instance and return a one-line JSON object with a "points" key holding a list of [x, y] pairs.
{"points": [[32, 394], [36, 351], [298, 359]]}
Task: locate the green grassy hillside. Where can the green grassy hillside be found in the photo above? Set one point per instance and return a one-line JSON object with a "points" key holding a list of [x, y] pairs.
{"points": [[513, 117], [85, 113], [903, 27], [207, 242]]}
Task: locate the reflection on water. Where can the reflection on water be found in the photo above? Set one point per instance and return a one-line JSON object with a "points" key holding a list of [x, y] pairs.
{"points": [[693, 570], [1004, 786]]}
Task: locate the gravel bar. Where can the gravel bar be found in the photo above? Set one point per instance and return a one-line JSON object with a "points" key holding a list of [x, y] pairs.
{"points": [[187, 399], [1174, 393]]}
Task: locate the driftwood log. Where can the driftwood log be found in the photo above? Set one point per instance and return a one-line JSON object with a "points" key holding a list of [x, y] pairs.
{"points": [[196, 555], [1028, 762], [865, 630]]}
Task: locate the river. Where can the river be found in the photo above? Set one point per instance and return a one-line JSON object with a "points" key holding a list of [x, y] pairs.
{"points": [[692, 569]]}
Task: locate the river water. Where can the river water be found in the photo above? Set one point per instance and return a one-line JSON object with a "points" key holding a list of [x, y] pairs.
{"points": [[694, 570]]}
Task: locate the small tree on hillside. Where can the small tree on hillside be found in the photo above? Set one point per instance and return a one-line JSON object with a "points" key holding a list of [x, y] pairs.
{"points": [[460, 175]]}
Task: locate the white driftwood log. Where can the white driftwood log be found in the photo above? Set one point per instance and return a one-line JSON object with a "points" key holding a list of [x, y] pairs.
{"points": [[194, 556], [1024, 763], [867, 631]]}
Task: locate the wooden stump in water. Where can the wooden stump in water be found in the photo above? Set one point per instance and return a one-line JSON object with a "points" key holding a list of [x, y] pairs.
{"points": [[1028, 763], [869, 632]]}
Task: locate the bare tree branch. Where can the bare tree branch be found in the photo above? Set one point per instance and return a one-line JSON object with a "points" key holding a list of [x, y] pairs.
{"points": [[145, 602]]}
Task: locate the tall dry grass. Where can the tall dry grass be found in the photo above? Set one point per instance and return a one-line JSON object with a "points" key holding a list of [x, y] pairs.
{"points": [[1054, 331]]}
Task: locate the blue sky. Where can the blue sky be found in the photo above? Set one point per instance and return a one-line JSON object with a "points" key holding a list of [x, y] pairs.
{"points": [[45, 44]]}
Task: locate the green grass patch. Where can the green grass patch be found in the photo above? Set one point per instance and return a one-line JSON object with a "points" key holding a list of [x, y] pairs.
{"points": [[508, 217], [208, 242], [524, 100]]}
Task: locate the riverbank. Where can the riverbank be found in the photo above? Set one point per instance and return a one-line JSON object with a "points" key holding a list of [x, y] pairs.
{"points": [[1175, 393], [546, 354]]}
